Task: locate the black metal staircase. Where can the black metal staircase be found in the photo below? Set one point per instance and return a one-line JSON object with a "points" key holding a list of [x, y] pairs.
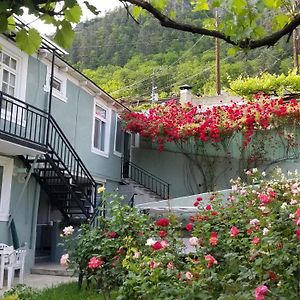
{"points": [[148, 180], [59, 169]]}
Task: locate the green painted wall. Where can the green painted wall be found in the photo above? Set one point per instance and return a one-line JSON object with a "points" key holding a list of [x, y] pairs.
{"points": [[184, 177], [24, 213], [75, 117]]}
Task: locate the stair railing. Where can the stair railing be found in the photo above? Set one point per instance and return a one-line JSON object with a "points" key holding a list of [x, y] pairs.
{"points": [[22, 121], [60, 145], [146, 179]]}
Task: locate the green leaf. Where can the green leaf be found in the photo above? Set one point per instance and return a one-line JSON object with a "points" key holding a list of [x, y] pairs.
{"points": [[91, 8], [209, 23], [65, 34], [136, 12], [232, 51], [28, 41], [273, 3], [201, 5], [11, 24], [239, 6], [280, 21], [73, 14]]}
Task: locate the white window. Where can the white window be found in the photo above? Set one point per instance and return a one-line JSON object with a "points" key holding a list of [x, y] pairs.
{"points": [[6, 171], [8, 73], [59, 84], [13, 69], [101, 130], [119, 136]]}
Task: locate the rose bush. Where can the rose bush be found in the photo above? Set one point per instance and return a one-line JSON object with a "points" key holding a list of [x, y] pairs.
{"points": [[243, 247]]}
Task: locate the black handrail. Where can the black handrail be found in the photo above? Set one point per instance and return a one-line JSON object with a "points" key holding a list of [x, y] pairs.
{"points": [[146, 179], [70, 147], [22, 120]]}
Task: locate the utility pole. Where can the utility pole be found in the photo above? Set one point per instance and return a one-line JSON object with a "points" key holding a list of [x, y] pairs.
{"points": [[296, 43], [218, 70]]}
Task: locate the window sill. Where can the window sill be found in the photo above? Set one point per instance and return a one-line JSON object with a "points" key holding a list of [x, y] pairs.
{"points": [[101, 153], [119, 154], [4, 217]]}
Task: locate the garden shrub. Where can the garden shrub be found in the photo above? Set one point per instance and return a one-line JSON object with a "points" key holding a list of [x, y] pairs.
{"points": [[248, 248]]}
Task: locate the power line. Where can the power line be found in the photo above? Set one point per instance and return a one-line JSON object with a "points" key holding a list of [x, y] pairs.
{"points": [[161, 69]]}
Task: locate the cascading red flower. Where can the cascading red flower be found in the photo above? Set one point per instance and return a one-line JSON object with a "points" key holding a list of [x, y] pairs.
{"points": [[177, 122]]}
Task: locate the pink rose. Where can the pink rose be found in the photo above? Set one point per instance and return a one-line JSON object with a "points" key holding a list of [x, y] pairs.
{"points": [[188, 275], [260, 292], [95, 263], [153, 264], [194, 241], [68, 230], [255, 240], [64, 260], [234, 231], [210, 260]]}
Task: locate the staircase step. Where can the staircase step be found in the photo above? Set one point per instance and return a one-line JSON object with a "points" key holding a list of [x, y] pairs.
{"points": [[50, 269]]}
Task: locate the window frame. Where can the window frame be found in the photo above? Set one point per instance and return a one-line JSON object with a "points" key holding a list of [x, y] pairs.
{"points": [[7, 164], [116, 152], [95, 150], [22, 66], [62, 79]]}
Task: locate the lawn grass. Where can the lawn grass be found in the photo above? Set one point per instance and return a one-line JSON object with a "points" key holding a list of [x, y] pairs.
{"points": [[70, 291]]}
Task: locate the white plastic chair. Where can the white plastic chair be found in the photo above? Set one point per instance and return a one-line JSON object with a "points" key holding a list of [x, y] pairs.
{"points": [[5, 250], [15, 261]]}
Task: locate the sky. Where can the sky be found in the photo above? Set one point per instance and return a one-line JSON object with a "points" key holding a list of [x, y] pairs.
{"points": [[102, 5]]}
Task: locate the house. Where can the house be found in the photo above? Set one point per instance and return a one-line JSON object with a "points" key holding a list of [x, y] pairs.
{"points": [[54, 151]]}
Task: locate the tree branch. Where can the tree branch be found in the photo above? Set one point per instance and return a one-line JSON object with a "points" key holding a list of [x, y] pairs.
{"points": [[268, 40]]}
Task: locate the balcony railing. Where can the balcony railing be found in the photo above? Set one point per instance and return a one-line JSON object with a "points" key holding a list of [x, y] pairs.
{"points": [[22, 121]]}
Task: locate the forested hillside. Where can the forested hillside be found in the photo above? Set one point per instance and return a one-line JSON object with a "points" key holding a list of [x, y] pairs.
{"points": [[127, 59]]}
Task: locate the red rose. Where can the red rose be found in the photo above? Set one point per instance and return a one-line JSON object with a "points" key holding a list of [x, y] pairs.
{"points": [[196, 203], [189, 227], [157, 246], [214, 213], [163, 233], [112, 235], [199, 198], [255, 240], [208, 207], [164, 222]]}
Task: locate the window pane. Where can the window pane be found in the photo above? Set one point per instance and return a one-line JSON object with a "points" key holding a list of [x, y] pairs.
{"points": [[100, 112], [119, 136], [97, 134], [11, 91], [5, 76], [102, 136], [5, 59], [12, 80], [4, 87], [56, 84], [1, 179], [13, 63]]}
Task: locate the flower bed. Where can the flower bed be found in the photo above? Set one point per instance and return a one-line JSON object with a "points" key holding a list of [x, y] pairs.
{"points": [[248, 249]]}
